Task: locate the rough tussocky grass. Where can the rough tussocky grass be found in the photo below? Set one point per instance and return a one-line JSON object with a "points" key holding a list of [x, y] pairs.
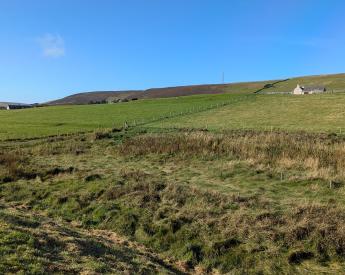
{"points": [[36, 244], [241, 202]]}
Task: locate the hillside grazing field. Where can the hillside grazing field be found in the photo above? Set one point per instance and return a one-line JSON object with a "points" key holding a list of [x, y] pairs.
{"points": [[46, 121], [315, 113], [168, 92], [247, 110], [334, 82]]}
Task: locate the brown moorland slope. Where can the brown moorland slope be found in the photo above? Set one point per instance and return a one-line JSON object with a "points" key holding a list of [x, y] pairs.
{"points": [[86, 98], [333, 82]]}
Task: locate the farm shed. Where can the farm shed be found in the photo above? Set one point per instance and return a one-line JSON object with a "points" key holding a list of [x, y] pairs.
{"points": [[14, 106], [304, 90]]}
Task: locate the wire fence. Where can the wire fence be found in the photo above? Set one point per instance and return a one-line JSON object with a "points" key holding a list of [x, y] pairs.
{"points": [[189, 111]]}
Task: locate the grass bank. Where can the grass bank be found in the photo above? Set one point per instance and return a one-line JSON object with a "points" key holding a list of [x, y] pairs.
{"points": [[241, 201]]}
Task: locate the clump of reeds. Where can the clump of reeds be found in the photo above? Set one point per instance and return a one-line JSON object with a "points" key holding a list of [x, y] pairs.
{"points": [[12, 163]]}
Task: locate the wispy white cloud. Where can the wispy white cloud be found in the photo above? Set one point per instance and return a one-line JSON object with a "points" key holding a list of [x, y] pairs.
{"points": [[53, 45]]}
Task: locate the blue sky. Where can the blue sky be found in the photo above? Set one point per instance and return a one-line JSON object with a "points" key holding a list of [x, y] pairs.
{"points": [[52, 48]]}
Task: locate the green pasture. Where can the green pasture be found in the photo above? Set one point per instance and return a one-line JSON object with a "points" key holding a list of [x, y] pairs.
{"points": [[333, 83], [38, 122], [315, 113]]}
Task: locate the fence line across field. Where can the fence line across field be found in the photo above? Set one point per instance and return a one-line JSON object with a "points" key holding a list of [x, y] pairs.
{"points": [[193, 110]]}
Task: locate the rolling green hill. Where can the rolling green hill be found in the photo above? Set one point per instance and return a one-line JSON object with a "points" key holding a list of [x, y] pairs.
{"points": [[243, 109], [45, 121], [314, 113], [235, 88], [334, 83]]}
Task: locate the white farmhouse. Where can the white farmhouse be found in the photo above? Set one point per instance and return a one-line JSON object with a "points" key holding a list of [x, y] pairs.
{"points": [[304, 90]]}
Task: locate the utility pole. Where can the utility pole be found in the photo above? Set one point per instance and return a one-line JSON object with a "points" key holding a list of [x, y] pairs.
{"points": [[223, 78]]}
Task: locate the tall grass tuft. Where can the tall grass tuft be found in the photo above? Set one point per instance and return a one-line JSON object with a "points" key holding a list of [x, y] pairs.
{"points": [[322, 156]]}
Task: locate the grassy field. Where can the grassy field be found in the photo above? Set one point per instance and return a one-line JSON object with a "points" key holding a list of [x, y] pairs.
{"points": [[317, 113], [333, 83], [243, 202], [47, 121], [314, 113]]}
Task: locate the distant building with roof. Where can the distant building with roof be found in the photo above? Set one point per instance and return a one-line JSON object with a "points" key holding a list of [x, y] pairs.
{"points": [[14, 106], [305, 90]]}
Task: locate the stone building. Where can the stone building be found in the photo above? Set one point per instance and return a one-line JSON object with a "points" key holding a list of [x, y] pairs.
{"points": [[304, 90]]}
